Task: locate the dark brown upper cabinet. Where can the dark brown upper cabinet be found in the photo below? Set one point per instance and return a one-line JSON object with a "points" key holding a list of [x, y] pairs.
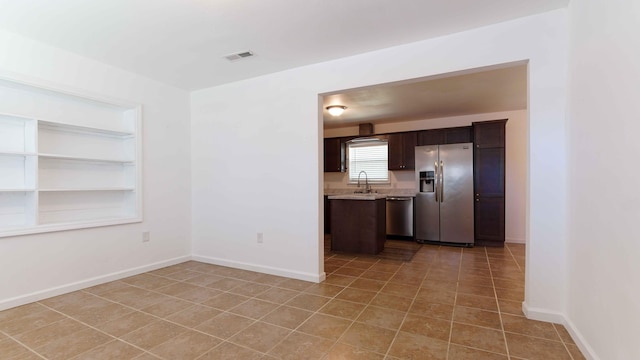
{"points": [[334, 155], [457, 135], [489, 134], [454, 135], [401, 153], [489, 182], [431, 137]]}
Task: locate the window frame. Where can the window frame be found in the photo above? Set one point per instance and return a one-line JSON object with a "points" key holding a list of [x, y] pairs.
{"points": [[363, 142]]}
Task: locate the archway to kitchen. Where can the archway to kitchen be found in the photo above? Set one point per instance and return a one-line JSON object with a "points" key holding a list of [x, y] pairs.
{"points": [[443, 101]]}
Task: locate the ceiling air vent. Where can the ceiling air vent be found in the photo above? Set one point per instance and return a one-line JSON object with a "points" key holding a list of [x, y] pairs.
{"points": [[240, 55]]}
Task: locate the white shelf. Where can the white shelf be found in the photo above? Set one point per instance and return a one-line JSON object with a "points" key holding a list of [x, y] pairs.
{"points": [[91, 223], [16, 116], [17, 134], [17, 153], [86, 189], [67, 162], [56, 126], [62, 226], [82, 158]]}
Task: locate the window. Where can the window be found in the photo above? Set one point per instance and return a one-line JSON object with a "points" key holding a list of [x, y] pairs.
{"points": [[369, 156]]}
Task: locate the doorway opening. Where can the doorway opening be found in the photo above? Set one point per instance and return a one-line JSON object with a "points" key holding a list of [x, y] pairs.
{"points": [[442, 101]]}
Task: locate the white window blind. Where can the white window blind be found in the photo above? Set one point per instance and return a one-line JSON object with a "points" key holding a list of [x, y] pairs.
{"points": [[370, 157]]}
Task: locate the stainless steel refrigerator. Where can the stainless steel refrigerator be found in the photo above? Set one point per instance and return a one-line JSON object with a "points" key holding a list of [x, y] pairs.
{"points": [[444, 201]]}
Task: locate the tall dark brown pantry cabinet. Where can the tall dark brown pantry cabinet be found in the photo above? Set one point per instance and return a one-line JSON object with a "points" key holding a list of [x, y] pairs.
{"points": [[489, 182]]}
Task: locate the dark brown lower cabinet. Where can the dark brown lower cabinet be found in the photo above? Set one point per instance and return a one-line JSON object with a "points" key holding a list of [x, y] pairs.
{"points": [[489, 221], [358, 226], [327, 215]]}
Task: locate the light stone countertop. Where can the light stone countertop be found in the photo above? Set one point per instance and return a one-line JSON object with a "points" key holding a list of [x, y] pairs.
{"points": [[372, 196], [386, 192]]}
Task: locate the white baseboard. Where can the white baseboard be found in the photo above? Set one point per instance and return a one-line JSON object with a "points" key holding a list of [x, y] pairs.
{"points": [[542, 314], [515, 241], [83, 284], [577, 337], [317, 278], [559, 318]]}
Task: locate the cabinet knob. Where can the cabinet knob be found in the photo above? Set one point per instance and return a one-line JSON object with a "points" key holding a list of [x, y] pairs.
{"points": [[477, 146]]}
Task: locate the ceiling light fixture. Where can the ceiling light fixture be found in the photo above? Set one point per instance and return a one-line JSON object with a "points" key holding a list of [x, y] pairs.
{"points": [[336, 110]]}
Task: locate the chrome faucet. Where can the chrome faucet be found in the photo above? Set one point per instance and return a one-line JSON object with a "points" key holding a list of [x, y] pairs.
{"points": [[367, 188]]}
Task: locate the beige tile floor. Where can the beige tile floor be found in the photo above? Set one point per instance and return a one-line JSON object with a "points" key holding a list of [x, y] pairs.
{"points": [[447, 303]]}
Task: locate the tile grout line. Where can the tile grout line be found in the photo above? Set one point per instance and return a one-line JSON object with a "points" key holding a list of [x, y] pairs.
{"points": [[563, 342], [25, 345], [514, 258], [495, 293], [114, 338], [245, 290], [256, 320], [96, 329], [228, 291], [337, 341], [200, 304], [553, 325], [480, 309], [284, 304], [455, 301], [315, 312], [161, 318], [291, 331], [193, 303], [404, 318], [379, 292]]}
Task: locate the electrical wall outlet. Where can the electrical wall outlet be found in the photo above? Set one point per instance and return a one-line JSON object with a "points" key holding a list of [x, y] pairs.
{"points": [[146, 237], [260, 238]]}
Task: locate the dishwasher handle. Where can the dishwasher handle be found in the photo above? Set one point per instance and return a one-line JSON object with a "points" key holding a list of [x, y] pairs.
{"points": [[399, 198]]}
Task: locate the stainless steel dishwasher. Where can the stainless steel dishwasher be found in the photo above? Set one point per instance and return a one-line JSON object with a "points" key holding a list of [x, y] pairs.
{"points": [[400, 216]]}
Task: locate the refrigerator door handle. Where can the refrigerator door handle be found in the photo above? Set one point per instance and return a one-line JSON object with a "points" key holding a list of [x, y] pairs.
{"points": [[437, 182], [441, 181]]}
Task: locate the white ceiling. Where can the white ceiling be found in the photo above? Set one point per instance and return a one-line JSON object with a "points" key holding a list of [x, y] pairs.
{"points": [[182, 42], [502, 88]]}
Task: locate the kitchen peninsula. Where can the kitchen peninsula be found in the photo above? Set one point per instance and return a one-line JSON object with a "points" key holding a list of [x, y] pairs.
{"points": [[358, 223]]}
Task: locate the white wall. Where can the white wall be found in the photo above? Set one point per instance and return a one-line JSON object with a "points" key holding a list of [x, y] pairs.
{"points": [[516, 162], [604, 236], [38, 266], [256, 151]]}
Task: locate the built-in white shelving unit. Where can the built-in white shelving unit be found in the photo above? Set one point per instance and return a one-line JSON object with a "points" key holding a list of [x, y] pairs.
{"points": [[66, 161]]}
